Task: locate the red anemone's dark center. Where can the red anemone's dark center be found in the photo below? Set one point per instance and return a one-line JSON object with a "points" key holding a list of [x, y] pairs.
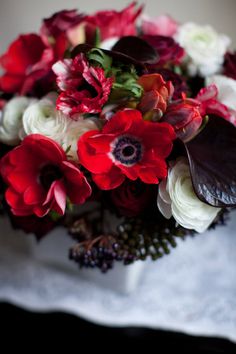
{"points": [[49, 174]]}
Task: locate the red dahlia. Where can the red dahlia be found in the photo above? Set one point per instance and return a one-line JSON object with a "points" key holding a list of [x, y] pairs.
{"points": [[85, 89], [128, 147], [40, 177]]}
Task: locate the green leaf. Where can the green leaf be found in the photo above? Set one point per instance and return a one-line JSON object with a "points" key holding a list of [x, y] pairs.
{"points": [[68, 149], [55, 216], [98, 57], [97, 39], [69, 205], [125, 85]]}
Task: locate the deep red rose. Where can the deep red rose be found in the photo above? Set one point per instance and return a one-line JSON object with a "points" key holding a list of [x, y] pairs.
{"points": [[185, 117], [40, 227], [127, 146], [40, 178], [63, 29], [132, 197], [157, 94], [26, 61], [230, 65], [60, 22], [180, 85], [113, 23], [168, 50], [85, 89], [207, 97]]}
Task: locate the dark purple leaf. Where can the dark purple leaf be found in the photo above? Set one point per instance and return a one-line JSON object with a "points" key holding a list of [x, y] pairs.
{"points": [[212, 158], [137, 49]]}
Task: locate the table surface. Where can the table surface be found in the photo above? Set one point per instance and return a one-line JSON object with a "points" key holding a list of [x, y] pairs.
{"points": [[193, 290]]}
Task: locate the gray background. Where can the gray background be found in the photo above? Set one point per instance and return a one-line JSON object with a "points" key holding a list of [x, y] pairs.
{"points": [[22, 16]]}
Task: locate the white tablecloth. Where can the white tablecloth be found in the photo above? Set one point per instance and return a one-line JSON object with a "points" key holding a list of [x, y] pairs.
{"points": [[192, 290]]}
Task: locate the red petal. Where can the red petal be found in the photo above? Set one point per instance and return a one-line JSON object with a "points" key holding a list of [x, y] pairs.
{"points": [[57, 195], [130, 172], [101, 142], [96, 163], [60, 196], [109, 181], [22, 179], [207, 93], [23, 52], [16, 202], [48, 148], [148, 176], [41, 211], [34, 195], [11, 83], [121, 122], [78, 189]]}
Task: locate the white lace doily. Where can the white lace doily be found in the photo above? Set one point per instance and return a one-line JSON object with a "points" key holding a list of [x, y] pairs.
{"points": [[192, 290]]}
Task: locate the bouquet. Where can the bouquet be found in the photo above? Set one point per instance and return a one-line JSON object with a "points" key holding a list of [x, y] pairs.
{"points": [[121, 129]]}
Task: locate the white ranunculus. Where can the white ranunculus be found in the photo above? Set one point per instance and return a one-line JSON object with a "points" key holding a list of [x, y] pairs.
{"points": [[11, 120], [205, 48], [74, 131], [177, 198], [42, 117]]}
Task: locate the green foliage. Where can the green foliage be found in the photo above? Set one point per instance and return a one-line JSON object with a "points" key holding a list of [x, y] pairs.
{"points": [[125, 84], [97, 57]]}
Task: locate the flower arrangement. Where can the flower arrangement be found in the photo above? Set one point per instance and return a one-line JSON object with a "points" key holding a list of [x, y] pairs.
{"points": [[121, 128]]}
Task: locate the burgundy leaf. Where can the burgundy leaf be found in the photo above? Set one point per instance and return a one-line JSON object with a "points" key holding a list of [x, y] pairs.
{"points": [[137, 49], [123, 58], [212, 158]]}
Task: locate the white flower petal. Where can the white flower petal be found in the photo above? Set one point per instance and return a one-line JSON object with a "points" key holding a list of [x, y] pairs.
{"points": [[11, 120], [180, 200], [204, 47]]}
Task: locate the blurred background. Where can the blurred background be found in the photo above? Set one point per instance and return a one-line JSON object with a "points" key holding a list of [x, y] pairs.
{"points": [[21, 16]]}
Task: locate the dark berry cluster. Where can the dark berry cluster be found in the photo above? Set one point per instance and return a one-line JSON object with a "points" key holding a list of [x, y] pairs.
{"points": [[100, 252], [135, 240]]}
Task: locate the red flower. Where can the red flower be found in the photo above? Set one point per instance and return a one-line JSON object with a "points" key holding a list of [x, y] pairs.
{"points": [[85, 88], [60, 22], [39, 178], [209, 104], [113, 23], [230, 65], [185, 117], [128, 147], [27, 60], [62, 30], [131, 198], [157, 93], [168, 50], [178, 81]]}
